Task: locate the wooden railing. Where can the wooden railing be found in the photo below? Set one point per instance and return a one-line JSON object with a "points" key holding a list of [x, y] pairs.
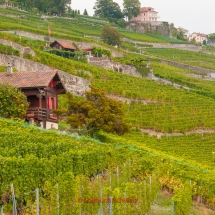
{"points": [[39, 113]]}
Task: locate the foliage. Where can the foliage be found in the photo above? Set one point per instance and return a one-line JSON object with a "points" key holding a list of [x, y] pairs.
{"points": [[85, 12], [13, 103], [100, 51], [111, 36], [107, 9], [95, 113], [183, 199], [179, 40], [8, 50], [131, 8], [56, 6]]}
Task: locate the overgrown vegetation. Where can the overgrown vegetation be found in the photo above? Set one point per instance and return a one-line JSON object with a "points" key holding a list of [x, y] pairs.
{"points": [[13, 103]]}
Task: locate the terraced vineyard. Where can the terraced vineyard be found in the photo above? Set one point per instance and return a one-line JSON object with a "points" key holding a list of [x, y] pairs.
{"points": [[134, 166], [188, 57]]}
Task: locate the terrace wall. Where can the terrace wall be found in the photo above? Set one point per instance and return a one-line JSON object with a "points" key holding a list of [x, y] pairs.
{"points": [[23, 50], [73, 84]]}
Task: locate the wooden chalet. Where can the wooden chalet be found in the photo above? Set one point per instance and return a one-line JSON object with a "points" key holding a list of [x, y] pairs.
{"points": [[42, 89], [62, 45]]}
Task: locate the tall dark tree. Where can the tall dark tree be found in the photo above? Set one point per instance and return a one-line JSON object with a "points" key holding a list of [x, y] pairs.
{"points": [[131, 8], [85, 12]]}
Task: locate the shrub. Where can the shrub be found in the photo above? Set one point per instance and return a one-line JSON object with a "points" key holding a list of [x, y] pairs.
{"points": [[13, 103]]}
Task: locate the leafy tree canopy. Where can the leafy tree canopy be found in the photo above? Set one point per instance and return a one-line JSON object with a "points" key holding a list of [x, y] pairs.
{"points": [[56, 6], [111, 35], [95, 112], [131, 8], [107, 9], [13, 103]]}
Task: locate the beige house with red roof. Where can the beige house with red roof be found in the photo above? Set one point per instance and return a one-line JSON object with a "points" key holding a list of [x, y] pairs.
{"points": [[198, 37], [41, 89], [147, 14]]}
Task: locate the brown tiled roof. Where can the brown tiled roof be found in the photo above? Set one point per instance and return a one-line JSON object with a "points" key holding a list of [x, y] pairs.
{"points": [[87, 49], [147, 9], [28, 79], [199, 34], [65, 44]]}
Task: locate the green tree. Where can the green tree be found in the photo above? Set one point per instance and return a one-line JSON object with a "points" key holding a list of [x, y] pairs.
{"points": [[95, 112], [13, 103], [111, 35], [85, 12], [131, 8], [107, 9]]}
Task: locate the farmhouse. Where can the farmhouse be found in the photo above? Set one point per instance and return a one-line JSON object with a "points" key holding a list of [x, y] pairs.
{"points": [[147, 14], [63, 45], [198, 37], [42, 89]]}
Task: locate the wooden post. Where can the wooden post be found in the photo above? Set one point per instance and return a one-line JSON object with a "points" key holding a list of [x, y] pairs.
{"points": [[13, 200], [111, 205], [37, 202], [1, 210]]}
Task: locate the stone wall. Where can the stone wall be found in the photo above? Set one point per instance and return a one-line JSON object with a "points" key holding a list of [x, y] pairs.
{"points": [[73, 84], [52, 39], [156, 27], [106, 63], [189, 47], [189, 67], [23, 50]]}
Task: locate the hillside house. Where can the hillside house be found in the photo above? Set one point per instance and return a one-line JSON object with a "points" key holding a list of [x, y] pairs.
{"points": [[147, 14], [88, 50], [198, 37], [63, 45], [42, 89]]}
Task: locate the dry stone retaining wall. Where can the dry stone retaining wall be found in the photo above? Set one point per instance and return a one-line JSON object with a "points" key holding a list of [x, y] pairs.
{"points": [[23, 50], [188, 67], [52, 39], [106, 63], [73, 84], [188, 47]]}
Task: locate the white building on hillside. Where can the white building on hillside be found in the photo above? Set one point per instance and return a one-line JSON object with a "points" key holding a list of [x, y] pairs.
{"points": [[198, 37]]}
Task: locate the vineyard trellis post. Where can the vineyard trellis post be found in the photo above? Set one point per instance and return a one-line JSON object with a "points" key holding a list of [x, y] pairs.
{"points": [[37, 202], [173, 208], [58, 198], [111, 205], [13, 200], [1, 210]]}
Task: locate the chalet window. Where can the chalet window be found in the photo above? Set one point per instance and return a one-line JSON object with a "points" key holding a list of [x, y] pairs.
{"points": [[49, 103], [52, 83], [54, 103]]}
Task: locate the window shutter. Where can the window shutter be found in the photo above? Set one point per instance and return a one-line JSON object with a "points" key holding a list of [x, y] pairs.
{"points": [[55, 102], [49, 103], [52, 83]]}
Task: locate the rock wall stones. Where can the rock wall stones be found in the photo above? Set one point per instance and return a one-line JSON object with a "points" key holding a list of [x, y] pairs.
{"points": [[189, 47], [188, 67], [73, 84], [23, 50], [52, 39], [106, 63], [155, 27]]}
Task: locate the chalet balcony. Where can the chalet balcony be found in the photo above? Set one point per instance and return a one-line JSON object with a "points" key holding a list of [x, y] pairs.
{"points": [[41, 114]]}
